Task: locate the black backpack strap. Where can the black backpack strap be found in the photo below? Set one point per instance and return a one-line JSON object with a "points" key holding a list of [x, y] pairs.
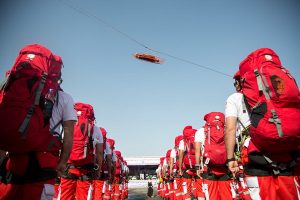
{"points": [[54, 127], [23, 128]]}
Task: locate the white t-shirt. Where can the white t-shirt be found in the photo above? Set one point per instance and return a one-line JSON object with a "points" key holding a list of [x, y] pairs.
{"points": [[181, 145], [234, 108], [114, 157], [63, 110], [165, 164], [97, 136], [200, 137], [107, 150], [173, 155]]}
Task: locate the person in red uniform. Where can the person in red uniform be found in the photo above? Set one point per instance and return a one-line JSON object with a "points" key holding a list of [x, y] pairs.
{"points": [[77, 180], [32, 175], [260, 178]]}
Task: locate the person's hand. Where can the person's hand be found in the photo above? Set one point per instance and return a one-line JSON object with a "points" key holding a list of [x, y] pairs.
{"points": [[111, 179], [233, 167], [180, 172], [199, 172], [98, 173], [61, 168]]}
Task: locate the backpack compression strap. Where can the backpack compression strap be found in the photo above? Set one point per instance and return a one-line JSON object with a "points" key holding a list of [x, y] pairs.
{"points": [[263, 86], [188, 155], [23, 128]]}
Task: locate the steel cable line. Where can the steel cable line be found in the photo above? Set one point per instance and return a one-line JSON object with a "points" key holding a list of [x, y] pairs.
{"points": [[92, 16]]}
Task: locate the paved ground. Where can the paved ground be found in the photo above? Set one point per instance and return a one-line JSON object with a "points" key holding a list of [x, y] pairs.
{"points": [[141, 194]]}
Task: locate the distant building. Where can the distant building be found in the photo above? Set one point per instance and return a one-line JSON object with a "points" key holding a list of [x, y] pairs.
{"points": [[142, 167]]}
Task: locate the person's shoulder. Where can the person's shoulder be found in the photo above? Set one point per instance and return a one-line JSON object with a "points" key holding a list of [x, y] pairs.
{"points": [[64, 95], [235, 96], [200, 130]]}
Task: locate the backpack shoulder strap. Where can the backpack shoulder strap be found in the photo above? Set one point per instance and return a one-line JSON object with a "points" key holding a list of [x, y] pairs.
{"points": [[30, 112]]}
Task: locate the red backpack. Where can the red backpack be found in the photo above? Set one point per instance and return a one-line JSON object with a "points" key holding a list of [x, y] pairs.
{"points": [[111, 143], [189, 142], [214, 153], [118, 162], [176, 144], [26, 101], [168, 156], [104, 133], [177, 140], [82, 149], [273, 102]]}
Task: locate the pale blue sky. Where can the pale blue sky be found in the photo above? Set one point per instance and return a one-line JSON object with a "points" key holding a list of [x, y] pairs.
{"points": [[144, 106]]}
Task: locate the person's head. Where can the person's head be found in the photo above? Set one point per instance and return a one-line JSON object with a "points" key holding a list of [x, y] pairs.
{"points": [[237, 81]]}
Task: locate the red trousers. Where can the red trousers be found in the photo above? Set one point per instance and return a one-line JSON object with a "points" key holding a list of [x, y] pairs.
{"points": [[116, 193], [71, 188], [199, 186], [171, 191], [217, 190], [18, 164], [187, 188], [273, 187], [107, 191], [32, 191], [159, 189], [178, 188], [98, 189], [56, 191]]}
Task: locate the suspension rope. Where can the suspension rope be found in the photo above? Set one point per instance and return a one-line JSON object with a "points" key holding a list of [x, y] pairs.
{"points": [[99, 20]]}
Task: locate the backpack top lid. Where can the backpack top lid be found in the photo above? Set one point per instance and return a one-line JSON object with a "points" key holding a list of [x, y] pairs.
{"points": [[52, 64], [188, 132], [178, 139], [118, 153], [111, 142], [85, 110], [104, 133], [213, 117], [168, 154], [257, 58], [161, 160], [237, 75]]}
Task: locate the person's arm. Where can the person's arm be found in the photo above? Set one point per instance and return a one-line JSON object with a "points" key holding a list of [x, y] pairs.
{"points": [[198, 154], [230, 135], [99, 158], [68, 127], [113, 171], [171, 166], [109, 166], [180, 161]]}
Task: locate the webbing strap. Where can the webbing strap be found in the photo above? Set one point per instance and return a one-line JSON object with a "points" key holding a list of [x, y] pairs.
{"points": [[277, 122], [267, 94], [24, 126], [267, 88], [189, 158], [40, 89], [84, 178], [260, 84], [88, 128], [243, 134], [90, 138], [53, 130], [278, 166], [4, 82], [244, 105]]}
